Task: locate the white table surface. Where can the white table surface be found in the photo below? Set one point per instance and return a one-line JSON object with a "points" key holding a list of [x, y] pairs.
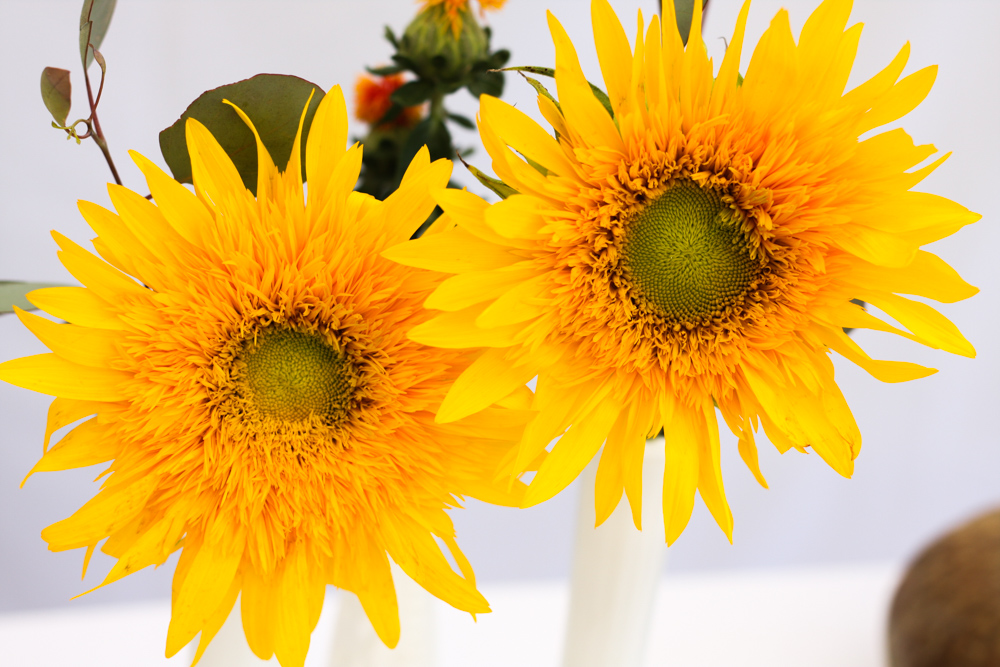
{"points": [[815, 617]]}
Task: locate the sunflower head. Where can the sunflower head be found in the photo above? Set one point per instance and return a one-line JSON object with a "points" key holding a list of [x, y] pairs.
{"points": [[694, 245], [244, 367]]}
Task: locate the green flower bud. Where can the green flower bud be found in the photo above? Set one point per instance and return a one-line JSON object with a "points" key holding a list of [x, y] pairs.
{"points": [[444, 48]]}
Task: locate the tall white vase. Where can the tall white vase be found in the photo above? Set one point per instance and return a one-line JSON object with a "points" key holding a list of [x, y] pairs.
{"points": [[355, 643], [616, 573]]}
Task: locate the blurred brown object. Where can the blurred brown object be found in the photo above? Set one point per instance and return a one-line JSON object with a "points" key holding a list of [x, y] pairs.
{"points": [[946, 612]]}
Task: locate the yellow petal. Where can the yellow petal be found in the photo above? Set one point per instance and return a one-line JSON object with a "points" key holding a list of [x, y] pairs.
{"points": [[875, 246], [216, 620], [296, 619], [53, 375], [572, 453], [102, 515], [186, 214], [214, 174], [632, 458], [468, 289], [81, 345], [65, 411], [710, 472], [928, 325], [609, 485], [456, 251], [726, 82], [613, 52], [88, 444], [886, 371], [106, 281], [582, 110], [524, 302], [373, 585], [115, 243], [203, 590], [517, 217], [267, 173], [525, 136], [258, 609], [419, 556], [459, 330], [78, 305], [488, 379], [900, 100], [409, 206], [325, 145], [682, 431], [927, 275], [873, 88]]}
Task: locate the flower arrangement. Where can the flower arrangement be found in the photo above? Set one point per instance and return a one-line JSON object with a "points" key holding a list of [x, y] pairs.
{"points": [[294, 355]]}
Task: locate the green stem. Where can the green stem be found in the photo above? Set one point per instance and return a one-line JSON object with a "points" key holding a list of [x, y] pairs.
{"points": [[437, 112]]}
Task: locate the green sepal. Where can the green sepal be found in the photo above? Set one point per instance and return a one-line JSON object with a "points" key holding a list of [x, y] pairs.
{"points": [[601, 96], [495, 185]]}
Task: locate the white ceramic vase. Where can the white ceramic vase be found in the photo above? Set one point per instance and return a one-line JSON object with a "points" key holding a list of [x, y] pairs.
{"points": [[616, 573]]}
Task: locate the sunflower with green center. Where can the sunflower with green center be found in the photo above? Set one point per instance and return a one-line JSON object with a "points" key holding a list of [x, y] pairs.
{"points": [[246, 364], [695, 245]]}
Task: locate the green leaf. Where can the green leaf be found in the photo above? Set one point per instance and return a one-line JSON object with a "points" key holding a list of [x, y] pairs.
{"points": [[487, 82], [95, 17], [390, 37], [684, 11], [274, 104], [499, 58], [412, 93], [56, 93], [12, 294], [498, 187], [601, 96], [384, 71], [462, 120]]}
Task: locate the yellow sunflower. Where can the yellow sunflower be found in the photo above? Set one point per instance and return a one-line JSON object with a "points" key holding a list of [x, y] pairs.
{"points": [[695, 247], [253, 385]]}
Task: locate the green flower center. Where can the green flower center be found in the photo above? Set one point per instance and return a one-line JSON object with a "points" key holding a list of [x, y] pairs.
{"points": [[292, 375], [686, 255]]}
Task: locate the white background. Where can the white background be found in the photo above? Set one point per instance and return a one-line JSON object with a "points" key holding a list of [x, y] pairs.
{"points": [[930, 453]]}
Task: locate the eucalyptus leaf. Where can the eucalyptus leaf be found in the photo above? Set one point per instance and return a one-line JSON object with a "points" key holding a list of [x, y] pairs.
{"points": [[12, 294], [57, 93], [95, 17], [274, 104]]}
